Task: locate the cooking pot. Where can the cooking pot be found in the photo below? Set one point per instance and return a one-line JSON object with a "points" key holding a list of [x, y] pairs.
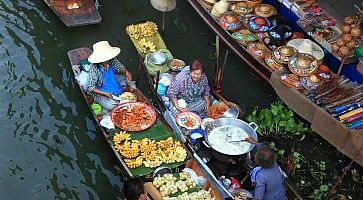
{"points": [[224, 128]]}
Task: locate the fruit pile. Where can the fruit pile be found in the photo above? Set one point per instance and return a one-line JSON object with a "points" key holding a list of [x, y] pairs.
{"points": [[169, 185], [140, 32], [148, 152], [200, 195], [346, 42]]}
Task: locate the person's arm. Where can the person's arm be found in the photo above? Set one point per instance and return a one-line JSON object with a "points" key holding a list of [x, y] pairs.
{"points": [[120, 69], [175, 88], [206, 92]]}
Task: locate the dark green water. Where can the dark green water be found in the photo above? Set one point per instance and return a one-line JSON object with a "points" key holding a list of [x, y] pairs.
{"points": [[49, 146]]}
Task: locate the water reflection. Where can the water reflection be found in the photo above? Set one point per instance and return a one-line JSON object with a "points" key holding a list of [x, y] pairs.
{"points": [[48, 149], [49, 146]]}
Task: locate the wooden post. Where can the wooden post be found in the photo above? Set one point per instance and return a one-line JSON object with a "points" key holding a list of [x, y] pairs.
{"points": [[341, 65], [139, 71], [218, 70], [163, 26]]}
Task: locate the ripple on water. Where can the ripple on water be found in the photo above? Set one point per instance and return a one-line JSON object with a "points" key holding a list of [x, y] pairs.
{"points": [[44, 142]]}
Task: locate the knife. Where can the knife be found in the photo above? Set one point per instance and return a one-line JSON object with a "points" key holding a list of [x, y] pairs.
{"points": [[333, 88], [350, 113], [356, 125], [344, 107]]}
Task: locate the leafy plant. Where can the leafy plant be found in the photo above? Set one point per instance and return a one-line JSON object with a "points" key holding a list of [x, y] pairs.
{"points": [[276, 120], [321, 165], [319, 193], [279, 152]]}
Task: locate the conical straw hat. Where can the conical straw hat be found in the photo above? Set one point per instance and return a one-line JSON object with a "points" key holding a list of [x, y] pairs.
{"points": [[102, 51]]}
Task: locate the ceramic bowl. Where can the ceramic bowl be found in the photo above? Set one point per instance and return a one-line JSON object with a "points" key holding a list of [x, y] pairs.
{"points": [[283, 53], [230, 21], [257, 49], [291, 80], [258, 24], [303, 64], [253, 3], [157, 58], [308, 84], [280, 32]]}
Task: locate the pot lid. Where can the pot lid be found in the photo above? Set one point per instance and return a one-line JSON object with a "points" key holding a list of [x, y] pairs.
{"points": [[308, 84], [241, 7], [303, 64]]}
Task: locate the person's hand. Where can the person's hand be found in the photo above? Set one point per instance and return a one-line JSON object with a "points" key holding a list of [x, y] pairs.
{"points": [[128, 76], [109, 95], [206, 107]]}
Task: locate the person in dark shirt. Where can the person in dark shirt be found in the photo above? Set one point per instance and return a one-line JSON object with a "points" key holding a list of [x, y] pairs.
{"points": [[134, 189]]}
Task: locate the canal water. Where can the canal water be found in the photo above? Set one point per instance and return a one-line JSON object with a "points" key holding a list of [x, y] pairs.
{"points": [[49, 145]]}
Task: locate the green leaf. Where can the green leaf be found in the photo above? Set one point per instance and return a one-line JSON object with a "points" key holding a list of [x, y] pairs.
{"points": [[324, 188], [282, 123], [298, 166]]}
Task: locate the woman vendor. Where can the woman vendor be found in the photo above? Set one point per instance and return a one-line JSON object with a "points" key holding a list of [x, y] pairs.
{"points": [[190, 85], [107, 76]]}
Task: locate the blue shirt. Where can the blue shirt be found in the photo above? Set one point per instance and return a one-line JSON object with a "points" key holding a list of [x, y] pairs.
{"points": [[109, 83], [269, 184]]}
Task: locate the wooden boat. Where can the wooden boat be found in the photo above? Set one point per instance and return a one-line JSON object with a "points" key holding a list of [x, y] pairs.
{"points": [[75, 56], [292, 193], [75, 12]]}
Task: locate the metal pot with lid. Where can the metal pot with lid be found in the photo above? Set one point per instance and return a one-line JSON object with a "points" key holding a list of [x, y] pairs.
{"points": [[228, 136]]}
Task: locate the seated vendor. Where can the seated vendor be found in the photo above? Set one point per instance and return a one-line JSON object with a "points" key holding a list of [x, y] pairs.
{"points": [[268, 177], [190, 85], [107, 76]]}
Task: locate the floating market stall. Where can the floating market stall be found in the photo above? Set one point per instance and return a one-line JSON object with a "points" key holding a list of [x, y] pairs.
{"points": [[143, 142], [303, 47], [155, 58]]}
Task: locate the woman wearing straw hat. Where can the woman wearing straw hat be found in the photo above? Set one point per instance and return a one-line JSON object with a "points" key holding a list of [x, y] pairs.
{"points": [[107, 75]]}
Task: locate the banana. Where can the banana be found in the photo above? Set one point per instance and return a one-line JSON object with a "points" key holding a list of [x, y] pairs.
{"points": [[139, 31]]}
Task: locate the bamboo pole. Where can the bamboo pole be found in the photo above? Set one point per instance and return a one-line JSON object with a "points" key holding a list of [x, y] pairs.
{"points": [[217, 71]]}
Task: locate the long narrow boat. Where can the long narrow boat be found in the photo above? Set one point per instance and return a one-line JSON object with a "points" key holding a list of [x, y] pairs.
{"points": [[347, 141], [194, 162], [292, 193], [75, 12]]}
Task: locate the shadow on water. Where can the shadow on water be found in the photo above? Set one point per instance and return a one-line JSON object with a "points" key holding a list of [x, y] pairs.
{"points": [[49, 146]]}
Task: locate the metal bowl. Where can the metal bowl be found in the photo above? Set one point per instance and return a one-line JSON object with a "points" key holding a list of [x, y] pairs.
{"points": [[157, 58]]}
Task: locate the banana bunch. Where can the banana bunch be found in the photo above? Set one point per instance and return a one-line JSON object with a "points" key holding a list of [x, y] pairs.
{"points": [[119, 137], [180, 154], [167, 144], [139, 31], [130, 149], [148, 28], [134, 31], [146, 46], [133, 163], [153, 163]]}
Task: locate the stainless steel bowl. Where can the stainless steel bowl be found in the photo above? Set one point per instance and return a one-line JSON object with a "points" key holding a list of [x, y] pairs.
{"points": [[157, 58]]}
